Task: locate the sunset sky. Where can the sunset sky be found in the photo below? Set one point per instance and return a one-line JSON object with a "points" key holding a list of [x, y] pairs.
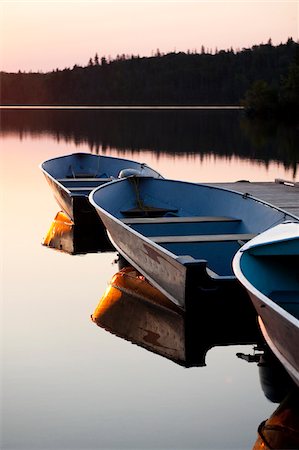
{"points": [[45, 35]]}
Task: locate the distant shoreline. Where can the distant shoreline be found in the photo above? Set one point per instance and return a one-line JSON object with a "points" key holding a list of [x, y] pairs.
{"points": [[112, 107]]}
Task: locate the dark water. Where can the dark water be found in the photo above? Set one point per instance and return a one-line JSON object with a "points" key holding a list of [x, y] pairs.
{"points": [[69, 384]]}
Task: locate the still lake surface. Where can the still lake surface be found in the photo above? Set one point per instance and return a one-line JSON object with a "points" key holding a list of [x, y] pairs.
{"points": [[68, 384]]}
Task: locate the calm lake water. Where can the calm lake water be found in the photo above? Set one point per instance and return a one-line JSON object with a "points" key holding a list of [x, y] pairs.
{"points": [[68, 384]]}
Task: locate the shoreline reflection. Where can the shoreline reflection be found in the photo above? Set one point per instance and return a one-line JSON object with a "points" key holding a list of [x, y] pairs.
{"points": [[222, 133]]}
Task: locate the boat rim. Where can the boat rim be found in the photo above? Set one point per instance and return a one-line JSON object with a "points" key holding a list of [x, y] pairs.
{"points": [[271, 236], [55, 180]]}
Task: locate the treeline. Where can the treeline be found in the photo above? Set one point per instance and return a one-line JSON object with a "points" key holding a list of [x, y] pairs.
{"points": [[189, 78]]}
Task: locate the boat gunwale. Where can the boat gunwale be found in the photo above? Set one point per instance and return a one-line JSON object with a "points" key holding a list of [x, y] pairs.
{"points": [[89, 155], [249, 196], [209, 186], [259, 242], [117, 180], [55, 180]]}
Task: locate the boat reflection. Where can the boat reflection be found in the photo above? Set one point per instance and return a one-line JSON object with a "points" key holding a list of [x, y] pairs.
{"points": [[136, 311], [281, 429], [133, 309], [66, 236]]}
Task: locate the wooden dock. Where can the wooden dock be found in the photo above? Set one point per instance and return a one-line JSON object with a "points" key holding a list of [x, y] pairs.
{"points": [[281, 193]]}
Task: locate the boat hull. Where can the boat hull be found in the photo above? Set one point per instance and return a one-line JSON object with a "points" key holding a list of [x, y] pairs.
{"points": [[78, 209], [61, 195], [267, 267], [280, 334], [72, 177]]}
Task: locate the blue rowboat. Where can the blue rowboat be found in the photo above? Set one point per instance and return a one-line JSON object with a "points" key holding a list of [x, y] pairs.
{"points": [[182, 236], [74, 176], [268, 267]]}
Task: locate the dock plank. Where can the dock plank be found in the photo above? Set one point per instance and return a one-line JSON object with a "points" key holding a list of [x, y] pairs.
{"points": [[280, 195]]}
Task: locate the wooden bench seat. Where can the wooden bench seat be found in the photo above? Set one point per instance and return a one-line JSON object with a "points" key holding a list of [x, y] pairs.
{"points": [[191, 219], [82, 188], [146, 212], [75, 180], [201, 238]]}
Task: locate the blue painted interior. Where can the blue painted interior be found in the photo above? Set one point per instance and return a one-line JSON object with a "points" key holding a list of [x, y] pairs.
{"points": [[86, 164], [276, 276], [185, 229], [219, 255], [189, 199]]}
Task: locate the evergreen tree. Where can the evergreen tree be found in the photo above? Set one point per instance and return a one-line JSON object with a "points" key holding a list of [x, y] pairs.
{"points": [[260, 99]]}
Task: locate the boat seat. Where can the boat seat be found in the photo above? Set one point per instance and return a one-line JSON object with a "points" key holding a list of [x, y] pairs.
{"points": [[79, 175], [201, 238], [82, 188], [177, 219], [75, 180], [147, 212]]}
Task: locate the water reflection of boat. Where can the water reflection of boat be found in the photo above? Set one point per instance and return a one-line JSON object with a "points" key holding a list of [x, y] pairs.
{"points": [[268, 268], [68, 237], [133, 309], [281, 429], [136, 311], [182, 236], [74, 176]]}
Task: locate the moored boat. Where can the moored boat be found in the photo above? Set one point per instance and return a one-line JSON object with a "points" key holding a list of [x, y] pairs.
{"points": [[267, 267], [182, 236], [73, 177]]}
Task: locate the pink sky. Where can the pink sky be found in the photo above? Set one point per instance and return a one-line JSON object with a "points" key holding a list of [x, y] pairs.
{"points": [[44, 35]]}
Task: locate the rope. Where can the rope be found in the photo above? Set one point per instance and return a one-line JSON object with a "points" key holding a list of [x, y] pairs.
{"points": [[139, 201]]}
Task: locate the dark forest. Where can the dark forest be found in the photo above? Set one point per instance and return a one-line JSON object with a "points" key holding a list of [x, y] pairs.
{"points": [[262, 78]]}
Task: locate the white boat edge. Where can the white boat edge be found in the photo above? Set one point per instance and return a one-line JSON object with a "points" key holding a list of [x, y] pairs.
{"points": [[279, 233]]}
